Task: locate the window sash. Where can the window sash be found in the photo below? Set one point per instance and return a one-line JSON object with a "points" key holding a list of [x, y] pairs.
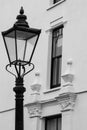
{"points": [[56, 57]]}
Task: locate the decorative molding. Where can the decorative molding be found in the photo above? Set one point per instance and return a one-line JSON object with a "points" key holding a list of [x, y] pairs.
{"points": [[56, 20], [68, 76], [34, 109], [56, 23], [36, 86], [52, 90], [67, 88], [67, 101]]}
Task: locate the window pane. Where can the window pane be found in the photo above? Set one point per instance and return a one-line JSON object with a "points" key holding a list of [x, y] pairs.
{"points": [[51, 124], [59, 70], [58, 51], [54, 48], [57, 42], [54, 72], [57, 47], [59, 123]]}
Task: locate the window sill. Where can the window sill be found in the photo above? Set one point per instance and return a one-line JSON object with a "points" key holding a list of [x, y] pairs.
{"points": [[54, 5], [52, 90]]}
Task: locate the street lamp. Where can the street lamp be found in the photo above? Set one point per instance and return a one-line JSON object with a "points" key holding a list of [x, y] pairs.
{"points": [[20, 43]]}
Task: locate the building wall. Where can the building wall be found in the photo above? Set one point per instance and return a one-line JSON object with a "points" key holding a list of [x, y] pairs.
{"points": [[69, 99]]}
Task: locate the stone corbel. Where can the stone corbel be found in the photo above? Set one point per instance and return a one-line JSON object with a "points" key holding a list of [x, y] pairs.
{"points": [[68, 78], [67, 101], [34, 109]]}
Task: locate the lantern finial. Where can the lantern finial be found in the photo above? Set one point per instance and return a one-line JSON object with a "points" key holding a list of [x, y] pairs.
{"points": [[21, 10], [21, 19]]}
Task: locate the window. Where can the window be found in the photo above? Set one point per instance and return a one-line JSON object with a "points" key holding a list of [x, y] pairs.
{"points": [[53, 123], [57, 36], [55, 1]]}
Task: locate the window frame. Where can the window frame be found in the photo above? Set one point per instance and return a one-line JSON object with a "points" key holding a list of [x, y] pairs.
{"points": [[52, 58], [56, 1]]}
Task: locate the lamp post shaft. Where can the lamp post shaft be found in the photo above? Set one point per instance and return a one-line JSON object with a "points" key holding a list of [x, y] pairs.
{"points": [[19, 90]]}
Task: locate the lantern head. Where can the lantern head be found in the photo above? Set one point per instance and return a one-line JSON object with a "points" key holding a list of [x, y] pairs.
{"points": [[20, 41]]}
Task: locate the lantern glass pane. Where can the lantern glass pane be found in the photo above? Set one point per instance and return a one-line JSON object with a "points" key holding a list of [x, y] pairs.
{"points": [[10, 44], [30, 46], [21, 46]]}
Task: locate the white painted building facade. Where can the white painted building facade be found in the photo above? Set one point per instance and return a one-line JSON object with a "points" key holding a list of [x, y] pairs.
{"points": [[63, 107]]}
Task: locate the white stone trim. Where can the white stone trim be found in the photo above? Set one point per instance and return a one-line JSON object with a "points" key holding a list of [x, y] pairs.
{"points": [[56, 23], [35, 87], [52, 90], [67, 101], [34, 109], [64, 102]]}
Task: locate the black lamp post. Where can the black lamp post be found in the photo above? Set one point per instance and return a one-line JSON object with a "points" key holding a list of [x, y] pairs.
{"points": [[20, 43]]}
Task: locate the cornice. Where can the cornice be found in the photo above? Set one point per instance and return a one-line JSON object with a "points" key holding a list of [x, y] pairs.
{"points": [[66, 101]]}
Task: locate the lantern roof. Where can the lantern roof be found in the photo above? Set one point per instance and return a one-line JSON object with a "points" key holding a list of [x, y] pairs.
{"points": [[21, 25]]}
